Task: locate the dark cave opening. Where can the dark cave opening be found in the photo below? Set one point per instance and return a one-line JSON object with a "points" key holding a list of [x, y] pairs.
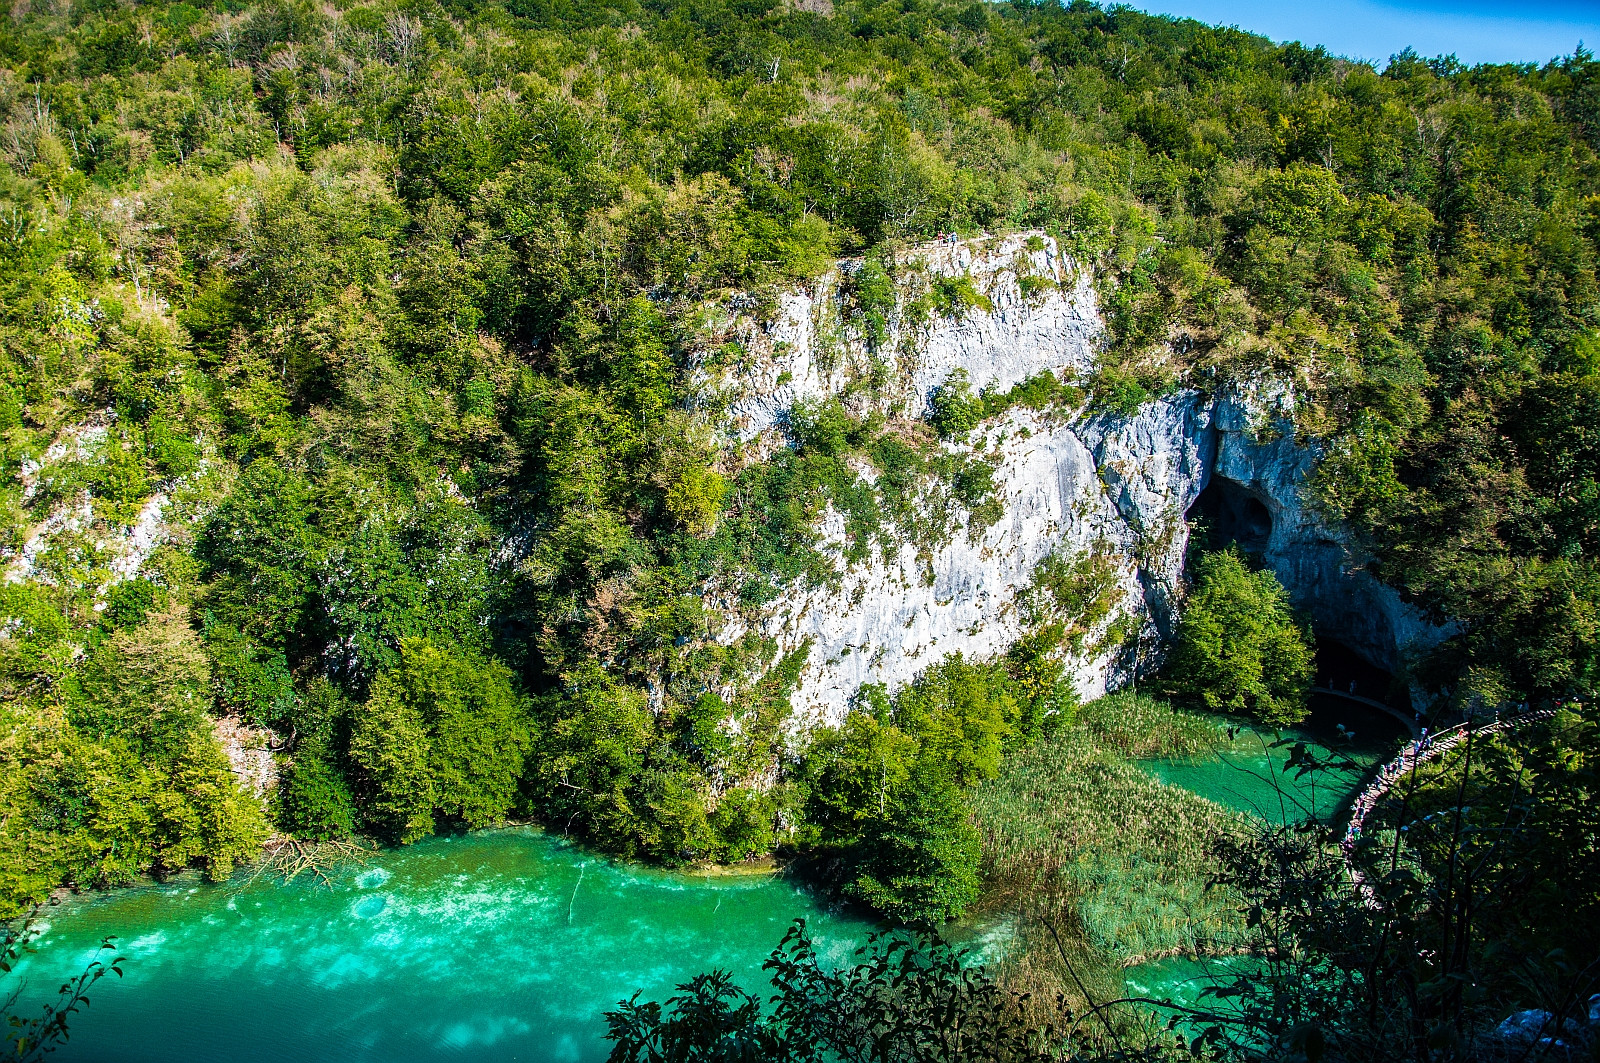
{"points": [[1343, 671], [1228, 514]]}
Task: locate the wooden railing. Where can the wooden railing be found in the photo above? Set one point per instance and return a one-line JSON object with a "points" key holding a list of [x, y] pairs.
{"points": [[1417, 752]]}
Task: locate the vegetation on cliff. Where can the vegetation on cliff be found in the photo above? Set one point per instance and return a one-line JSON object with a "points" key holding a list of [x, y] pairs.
{"points": [[386, 311], [1239, 648]]}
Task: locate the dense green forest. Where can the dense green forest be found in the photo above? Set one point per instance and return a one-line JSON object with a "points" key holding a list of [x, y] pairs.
{"points": [[391, 308]]}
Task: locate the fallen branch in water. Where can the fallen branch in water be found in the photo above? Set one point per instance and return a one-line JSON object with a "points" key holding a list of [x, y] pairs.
{"points": [[292, 857]]}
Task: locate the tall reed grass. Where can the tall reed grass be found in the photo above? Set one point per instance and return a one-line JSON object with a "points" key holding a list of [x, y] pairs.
{"points": [[1099, 864], [1141, 727], [1132, 853]]}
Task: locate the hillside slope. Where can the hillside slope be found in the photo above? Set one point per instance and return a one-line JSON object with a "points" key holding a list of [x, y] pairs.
{"points": [[367, 378]]}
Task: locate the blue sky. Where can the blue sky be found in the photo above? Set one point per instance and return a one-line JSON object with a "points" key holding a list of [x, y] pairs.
{"points": [[1475, 30]]}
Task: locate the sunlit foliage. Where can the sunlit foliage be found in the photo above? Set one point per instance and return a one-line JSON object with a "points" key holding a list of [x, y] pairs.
{"points": [[387, 312]]}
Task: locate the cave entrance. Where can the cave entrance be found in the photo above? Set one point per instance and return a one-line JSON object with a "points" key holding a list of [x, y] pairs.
{"points": [[1350, 691], [1228, 514]]}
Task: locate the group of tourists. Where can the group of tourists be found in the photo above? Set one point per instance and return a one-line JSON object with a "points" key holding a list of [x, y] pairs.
{"points": [[1423, 747]]}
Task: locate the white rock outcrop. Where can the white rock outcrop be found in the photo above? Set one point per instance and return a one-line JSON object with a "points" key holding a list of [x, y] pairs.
{"points": [[886, 620], [1069, 482], [127, 547], [802, 353]]}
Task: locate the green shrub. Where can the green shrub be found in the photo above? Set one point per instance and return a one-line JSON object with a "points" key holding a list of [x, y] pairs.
{"points": [[1039, 680], [920, 860], [873, 297], [887, 789], [129, 602], [961, 713], [743, 824], [390, 748], [1077, 591], [1043, 392], [823, 428], [1118, 391], [954, 296], [444, 734], [1034, 286], [953, 409], [119, 475], [314, 801], [604, 767], [250, 679], [1239, 647]]}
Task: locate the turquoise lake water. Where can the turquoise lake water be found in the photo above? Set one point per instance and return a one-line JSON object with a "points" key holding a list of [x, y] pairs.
{"points": [[501, 945], [484, 947], [1248, 774]]}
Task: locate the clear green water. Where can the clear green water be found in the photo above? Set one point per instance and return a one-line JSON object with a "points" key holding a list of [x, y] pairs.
{"points": [[501, 945], [1248, 774], [484, 947], [1182, 980]]}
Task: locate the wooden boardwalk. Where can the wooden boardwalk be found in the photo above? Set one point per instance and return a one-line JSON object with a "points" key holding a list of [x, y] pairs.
{"points": [[1415, 754]]}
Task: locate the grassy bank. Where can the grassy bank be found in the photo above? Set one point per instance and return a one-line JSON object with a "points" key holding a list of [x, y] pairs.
{"points": [[1099, 863]]}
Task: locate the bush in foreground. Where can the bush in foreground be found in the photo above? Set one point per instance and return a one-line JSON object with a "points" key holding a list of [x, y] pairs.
{"points": [[910, 997]]}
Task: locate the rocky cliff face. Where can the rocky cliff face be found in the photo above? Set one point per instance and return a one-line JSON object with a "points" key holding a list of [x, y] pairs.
{"points": [[806, 351], [1256, 458], [1072, 483]]}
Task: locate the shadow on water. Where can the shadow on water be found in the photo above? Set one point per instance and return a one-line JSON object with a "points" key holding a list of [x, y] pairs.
{"points": [[500, 945], [1365, 729]]}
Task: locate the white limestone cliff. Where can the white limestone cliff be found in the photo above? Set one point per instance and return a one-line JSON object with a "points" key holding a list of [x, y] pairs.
{"points": [[125, 545], [1070, 482], [804, 354]]}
